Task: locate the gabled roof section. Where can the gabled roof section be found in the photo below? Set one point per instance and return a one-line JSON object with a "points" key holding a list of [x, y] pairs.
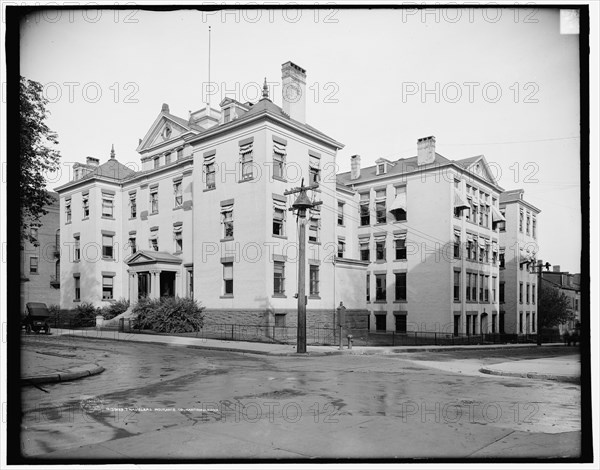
{"points": [[150, 257], [477, 165], [166, 127]]}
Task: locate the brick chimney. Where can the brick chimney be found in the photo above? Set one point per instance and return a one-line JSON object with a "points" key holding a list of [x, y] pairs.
{"points": [[425, 150], [354, 167], [556, 268], [92, 161], [293, 80]]}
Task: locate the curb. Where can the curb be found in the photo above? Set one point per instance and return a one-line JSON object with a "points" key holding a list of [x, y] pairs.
{"points": [[533, 375], [73, 373]]}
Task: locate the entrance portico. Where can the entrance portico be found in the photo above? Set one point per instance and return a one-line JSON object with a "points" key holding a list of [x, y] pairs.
{"points": [[154, 274]]}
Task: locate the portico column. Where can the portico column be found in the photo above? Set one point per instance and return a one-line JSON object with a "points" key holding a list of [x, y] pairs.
{"points": [[178, 288], [155, 280], [133, 294]]}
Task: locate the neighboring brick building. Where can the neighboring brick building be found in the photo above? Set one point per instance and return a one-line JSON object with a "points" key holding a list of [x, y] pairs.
{"points": [[40, 262], [569, 285]]}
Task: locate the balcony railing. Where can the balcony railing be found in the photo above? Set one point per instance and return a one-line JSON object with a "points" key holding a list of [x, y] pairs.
{"points": [[54, 281]]}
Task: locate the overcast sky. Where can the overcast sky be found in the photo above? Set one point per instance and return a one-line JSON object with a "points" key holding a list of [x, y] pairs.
{"points": [[502, 83]]}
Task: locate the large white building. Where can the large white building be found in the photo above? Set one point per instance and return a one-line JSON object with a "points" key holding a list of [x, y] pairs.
{"points": [[207, 216], [406, 245]]}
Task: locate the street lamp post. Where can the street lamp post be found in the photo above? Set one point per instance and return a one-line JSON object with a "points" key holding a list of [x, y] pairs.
{"points": [[538, 268], [300, 205]]}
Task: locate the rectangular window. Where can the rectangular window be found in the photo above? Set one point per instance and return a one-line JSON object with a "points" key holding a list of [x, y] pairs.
{"points": [[313, 230], [380, 250], [154, 240], [533, 294], [494, 282], [527, 292], [494, 317], [380, 210], [279, 153], [178, 236], [521, 221], [474, 287], [314, 280], [228, 278], [68, 211], [365, 254], [457, 285], [340, 215], [400, 247], [190, 283], [521, 322], [227, 220], [107, 246], [457, 244], [177, 192], [365, 213], [314, 169], [341, 248], [400, 323], [209, 170], [154, 200], [107, 288], [501, 259], [486, 291], [501, 297], [533, 322], [486, 217], [132, 245], [156, 162], [85, 203], [247, 163], [107, 205], [368, 287], [502, 223], [279, 216], [280, 320], [279, 278], [400, 286], [468, 291], [132, 206], [380, 169], [77, 288], [77, 249], [167, 158], [33, 265], [380, 287], [179, 154], [481, 279], [533, 227], [520, 292], [528, 224]]}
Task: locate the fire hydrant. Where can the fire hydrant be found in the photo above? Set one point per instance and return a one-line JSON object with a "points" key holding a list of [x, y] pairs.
{"points": [[350, 341]]}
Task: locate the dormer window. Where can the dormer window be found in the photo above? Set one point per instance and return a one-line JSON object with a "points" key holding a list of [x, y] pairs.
{"points": [[226, 115], [381, 169], [382, 166]]}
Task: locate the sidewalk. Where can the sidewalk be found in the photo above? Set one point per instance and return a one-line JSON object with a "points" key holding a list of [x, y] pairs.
{"points": [[39, 367], [560, 369]]}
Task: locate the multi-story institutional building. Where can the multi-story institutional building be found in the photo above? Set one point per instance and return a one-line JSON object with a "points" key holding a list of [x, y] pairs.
{"points": [[406, 245], [518, 248], [569, 285], [207, 216], [427, 226], [40, 261]]}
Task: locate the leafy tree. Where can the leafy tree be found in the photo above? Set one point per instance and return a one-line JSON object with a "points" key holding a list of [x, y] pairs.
{"points": [[553, 308], [37, 155]]}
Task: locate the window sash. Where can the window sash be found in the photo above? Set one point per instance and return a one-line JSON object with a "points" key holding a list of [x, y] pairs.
{"points": [[400, 286]]}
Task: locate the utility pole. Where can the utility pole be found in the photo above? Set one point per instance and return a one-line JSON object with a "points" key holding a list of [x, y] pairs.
{"points": [[538, 268], [302, 203]]}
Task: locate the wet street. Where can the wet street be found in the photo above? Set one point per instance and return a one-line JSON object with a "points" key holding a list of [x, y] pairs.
{"points": [[156, 401]]}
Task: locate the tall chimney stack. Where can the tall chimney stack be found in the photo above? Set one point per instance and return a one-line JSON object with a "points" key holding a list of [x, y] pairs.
{"points": [[92, 161], [425, 150], [354, 167], [556, 268], [293, 80]]}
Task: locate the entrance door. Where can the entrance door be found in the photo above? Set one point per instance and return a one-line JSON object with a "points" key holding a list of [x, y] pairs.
{"points": [[456, 324], [167, 284], [143, 285], [484, 323]]}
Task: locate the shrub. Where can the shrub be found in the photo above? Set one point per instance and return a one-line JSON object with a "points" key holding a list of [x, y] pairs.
{"points": [[85, 314], [114, 308], [54, 312], [169, 314]]}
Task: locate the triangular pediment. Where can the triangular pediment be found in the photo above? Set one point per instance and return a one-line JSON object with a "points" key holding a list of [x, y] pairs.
{"points": [[165, 128], [150, 257], [481, 168], [139, 257]]}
